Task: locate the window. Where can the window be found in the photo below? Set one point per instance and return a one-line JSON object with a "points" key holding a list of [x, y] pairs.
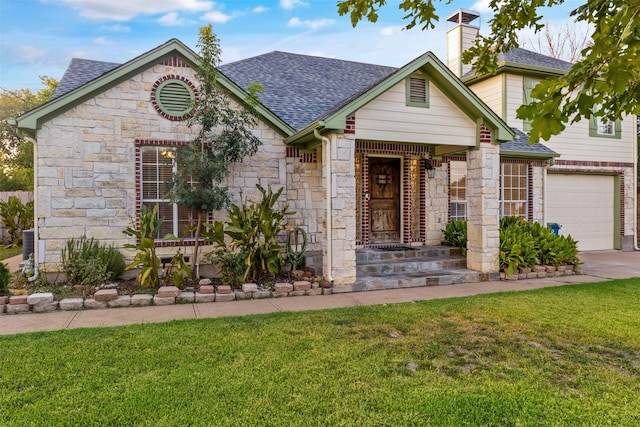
{"points": [[417, 91], [157, 166], [513, 189], [600, 127], [457, 190]]}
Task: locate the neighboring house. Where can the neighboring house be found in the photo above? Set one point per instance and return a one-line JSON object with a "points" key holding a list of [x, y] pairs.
{"points": [[589, 188], [368, 155]]}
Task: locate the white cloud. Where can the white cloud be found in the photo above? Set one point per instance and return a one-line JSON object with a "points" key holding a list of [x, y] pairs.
{"points": [[292, 4], [216, 17], [25, 53], [171, 19], [482, 6], [123, 10], [102, 41], [309, 23], [260, 9], [391, 30]]}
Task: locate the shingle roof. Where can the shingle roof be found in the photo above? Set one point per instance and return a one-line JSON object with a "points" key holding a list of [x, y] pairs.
{"points": [[80, 72], [521, 145], [300, 89], [528, 58]]}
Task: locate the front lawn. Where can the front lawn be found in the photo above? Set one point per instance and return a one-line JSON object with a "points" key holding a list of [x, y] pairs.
{"points": [[557, 356], [9, 252]]}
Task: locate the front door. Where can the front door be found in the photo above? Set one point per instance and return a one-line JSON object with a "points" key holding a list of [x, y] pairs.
{"points": [[384, 200]]}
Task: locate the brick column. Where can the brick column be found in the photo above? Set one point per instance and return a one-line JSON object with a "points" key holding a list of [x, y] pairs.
{"points": [[483, 203]]}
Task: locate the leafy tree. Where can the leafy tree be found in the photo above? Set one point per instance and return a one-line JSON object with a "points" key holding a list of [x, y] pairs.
{"points": [[224, 138], [16, 153], [604, 82]]}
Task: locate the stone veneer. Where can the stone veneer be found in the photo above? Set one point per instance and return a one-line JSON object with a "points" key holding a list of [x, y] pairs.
{"points": [[86, 168]]}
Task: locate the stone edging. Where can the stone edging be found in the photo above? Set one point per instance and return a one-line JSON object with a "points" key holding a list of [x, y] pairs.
{"points": [[540, 271], [166, 295]]}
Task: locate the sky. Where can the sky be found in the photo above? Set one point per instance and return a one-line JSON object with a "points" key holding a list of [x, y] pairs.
{"points": [[40, 37]]}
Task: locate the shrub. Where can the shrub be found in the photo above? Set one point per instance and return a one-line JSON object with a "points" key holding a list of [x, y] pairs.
{"points": [[146, 257], [455, 234], [5, 277], [87, 262], [252, 229], [16, 217]]}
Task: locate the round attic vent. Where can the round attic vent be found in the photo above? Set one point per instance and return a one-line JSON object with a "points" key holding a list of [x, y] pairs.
{"points": [[173, 98]]}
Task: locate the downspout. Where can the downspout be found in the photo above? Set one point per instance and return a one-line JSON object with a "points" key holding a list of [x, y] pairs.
{"points": [[36, 242], [326, 161], [635, 198]]}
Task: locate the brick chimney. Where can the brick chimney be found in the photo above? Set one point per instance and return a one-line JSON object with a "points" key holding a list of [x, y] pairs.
{"points": [[460, 38]]}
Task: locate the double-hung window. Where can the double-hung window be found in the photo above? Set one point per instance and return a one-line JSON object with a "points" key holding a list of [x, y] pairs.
{"points": [[157, 166], [458, 190], [513, 189]]}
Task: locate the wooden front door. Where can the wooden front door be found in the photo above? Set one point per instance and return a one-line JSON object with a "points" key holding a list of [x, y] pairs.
{"points": [[384, 200]]}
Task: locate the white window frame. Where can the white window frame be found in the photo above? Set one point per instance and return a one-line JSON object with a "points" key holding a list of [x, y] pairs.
{"points": [[456, 173], [514, 188]]}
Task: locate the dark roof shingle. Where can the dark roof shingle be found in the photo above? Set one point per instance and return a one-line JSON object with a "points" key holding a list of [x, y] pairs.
{"points": [[80, 72], [521, 145]]}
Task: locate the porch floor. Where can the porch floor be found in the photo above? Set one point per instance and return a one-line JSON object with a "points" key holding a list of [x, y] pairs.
{"points": [[407, 267]]}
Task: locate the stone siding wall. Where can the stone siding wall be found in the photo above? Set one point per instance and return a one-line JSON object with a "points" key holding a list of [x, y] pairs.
{"points": [[86, 167]]}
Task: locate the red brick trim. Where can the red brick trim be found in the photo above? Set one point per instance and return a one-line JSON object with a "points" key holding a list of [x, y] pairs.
{"points": [[392, 148], [302, 156], [350, 127], [589, 164], [155, 103], [174, 61], [485, 134]]}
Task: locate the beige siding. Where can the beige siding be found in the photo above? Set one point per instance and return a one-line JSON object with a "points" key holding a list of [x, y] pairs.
{"points": [[490, 91], [514, 99], [576, 144], [453, 50], [388, 118]]}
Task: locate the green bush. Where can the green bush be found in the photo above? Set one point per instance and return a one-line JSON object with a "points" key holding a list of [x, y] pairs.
{"points": [[455, 234], [88, 262], [252, 229], [5, 277], [522, 244], [16, 217]]}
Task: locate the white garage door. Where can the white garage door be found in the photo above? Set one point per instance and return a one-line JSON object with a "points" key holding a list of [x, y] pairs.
{"points": [[583, 205]]}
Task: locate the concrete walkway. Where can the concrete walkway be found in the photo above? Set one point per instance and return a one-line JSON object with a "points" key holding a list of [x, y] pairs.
{"points": [[598, 266]]}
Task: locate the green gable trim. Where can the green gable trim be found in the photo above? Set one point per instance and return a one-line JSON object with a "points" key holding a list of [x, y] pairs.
{"points": [[437, 73], [33, 120]]}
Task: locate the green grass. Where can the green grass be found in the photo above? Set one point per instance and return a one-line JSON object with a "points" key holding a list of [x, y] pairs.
{"points": [[557, 356], [9, 252]]}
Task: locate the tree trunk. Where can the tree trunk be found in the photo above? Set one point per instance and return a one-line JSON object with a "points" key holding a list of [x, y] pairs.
{"points": [[196, 246]]}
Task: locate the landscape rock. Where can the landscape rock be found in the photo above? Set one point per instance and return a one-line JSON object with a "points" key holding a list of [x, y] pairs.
{"points": [[140, 300], [106, 295], [200, 297], [224, 289], [206, 289], [241, 295], [18, 300], [18, 308], [158, 300], [225, 297], [186, 297], [314, 291], [71, 304], [302, 285], [168, 292], [327, 291], [92, 303], [261, 294], [249, 287], [4, 300], [204, 282], [297, 293], [121, 301], [47, 307], [283, 287]]}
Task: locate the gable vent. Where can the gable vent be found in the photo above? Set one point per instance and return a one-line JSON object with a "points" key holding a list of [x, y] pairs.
{"points": [[174, 98], [417, 90]]}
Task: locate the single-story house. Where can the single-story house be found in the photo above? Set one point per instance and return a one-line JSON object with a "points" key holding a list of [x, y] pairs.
{"points": [[368, 155]]}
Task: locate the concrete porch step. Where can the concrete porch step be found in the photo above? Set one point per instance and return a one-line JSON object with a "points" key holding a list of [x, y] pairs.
{"points": [[379, 262], [416, 279]]}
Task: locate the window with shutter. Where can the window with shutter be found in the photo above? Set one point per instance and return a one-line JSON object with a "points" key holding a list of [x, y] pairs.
{"points": [[602, 128], [417, 91]]}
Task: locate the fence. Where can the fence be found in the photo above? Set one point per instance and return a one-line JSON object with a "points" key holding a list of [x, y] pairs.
{"points": [[24, 196]]}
